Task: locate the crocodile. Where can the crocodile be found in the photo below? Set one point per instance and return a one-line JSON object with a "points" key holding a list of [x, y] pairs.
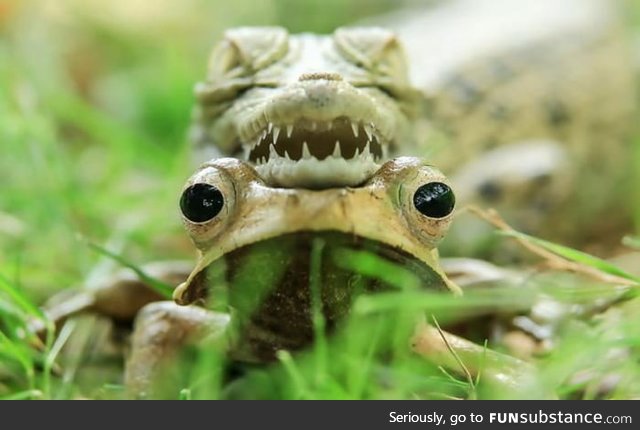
{"points": [[523, 104]]}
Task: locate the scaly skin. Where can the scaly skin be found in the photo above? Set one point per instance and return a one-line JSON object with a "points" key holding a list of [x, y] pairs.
{"points": [[537, 100]]}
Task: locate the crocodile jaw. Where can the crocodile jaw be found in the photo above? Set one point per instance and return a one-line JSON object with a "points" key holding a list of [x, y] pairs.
{"points": [[318, 133], [315, 174], [314, 154]]}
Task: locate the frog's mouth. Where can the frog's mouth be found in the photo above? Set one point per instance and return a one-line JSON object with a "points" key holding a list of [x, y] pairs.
{"points": [[288, 260], [271, 285]]}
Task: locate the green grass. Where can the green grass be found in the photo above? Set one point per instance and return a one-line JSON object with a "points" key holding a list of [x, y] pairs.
{"points": [[93, 117]]}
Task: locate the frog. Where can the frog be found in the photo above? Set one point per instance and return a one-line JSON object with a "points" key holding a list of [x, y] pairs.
{"points": [[255, 244]]}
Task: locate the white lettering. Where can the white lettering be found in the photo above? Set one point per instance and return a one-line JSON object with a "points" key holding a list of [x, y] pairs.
{"points": [[433, 418]]}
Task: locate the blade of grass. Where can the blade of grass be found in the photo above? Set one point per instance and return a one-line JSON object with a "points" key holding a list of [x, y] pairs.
{"points": [[24, 395], [463, 367], [559, 256], [319, 323], [30, 312], [294, 373], [51, 356], [160, 287], [369, 264], [496, 300], [575, 256], [20, 299], [11, 350]]}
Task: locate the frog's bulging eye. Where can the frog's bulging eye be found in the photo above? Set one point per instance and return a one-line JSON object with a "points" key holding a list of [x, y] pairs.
{"points": [[201, 202], [435, 200]]}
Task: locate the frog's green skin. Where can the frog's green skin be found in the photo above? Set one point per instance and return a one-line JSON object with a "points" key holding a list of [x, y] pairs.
{"points": [[526, 104]]}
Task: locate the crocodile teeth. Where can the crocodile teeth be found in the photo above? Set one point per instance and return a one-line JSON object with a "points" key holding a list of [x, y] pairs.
{"points": [[355, 128], [366, 151], [336, 150], [279, 142], [369, 130], [305, 150], [272, 152]]}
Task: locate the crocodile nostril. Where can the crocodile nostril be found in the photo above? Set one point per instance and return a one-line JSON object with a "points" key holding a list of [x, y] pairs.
{"points": [[327, 76]]}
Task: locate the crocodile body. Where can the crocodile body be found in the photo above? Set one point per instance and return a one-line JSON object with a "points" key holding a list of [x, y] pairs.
{"points": [[536, 101]]}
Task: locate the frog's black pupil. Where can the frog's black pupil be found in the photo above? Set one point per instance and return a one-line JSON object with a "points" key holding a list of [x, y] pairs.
{"points": [[201, 202], [435, 200]]}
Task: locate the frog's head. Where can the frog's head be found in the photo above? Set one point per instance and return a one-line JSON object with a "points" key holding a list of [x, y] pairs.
{"points": [[252, 236]]}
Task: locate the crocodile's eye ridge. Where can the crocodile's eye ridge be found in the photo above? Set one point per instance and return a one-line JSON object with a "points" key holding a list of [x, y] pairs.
{"points": [[201, 202], [435, 200]]}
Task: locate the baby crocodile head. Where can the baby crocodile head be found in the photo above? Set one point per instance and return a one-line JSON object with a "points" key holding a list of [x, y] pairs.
{"points": [[306, 110], [263, 248]]}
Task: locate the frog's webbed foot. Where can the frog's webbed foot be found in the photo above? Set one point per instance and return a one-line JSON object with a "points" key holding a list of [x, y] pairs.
{"points": [[161, 330]]}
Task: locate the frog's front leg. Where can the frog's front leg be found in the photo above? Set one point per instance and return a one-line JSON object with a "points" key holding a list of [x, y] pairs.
{"points": [[118, 296], [161, 330]]}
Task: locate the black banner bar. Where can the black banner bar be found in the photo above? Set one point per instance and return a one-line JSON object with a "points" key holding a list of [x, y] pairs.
{"points": [[323, 414]]}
